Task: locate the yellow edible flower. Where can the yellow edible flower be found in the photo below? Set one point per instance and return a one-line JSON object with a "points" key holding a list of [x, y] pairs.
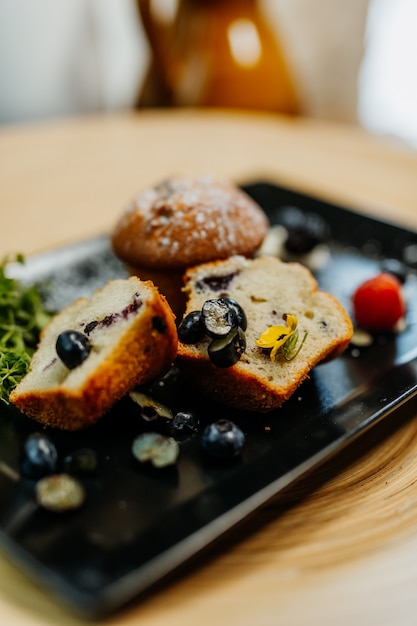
{"points": [[285, 337]]}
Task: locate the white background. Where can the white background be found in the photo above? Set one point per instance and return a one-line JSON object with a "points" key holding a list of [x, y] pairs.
{"points": [[71, 57]]}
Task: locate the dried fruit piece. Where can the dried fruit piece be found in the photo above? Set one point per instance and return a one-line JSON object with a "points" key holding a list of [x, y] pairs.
{"points": [[59, 493], [159, 450], [378, 303]]}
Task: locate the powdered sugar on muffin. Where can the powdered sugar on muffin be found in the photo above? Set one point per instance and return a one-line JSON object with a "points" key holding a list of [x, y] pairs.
{"points": [[189, 220], [182, 222]]}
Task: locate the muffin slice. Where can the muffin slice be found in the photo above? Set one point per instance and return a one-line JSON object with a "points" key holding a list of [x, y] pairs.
{"points": [[123, 336], [290, 327]]}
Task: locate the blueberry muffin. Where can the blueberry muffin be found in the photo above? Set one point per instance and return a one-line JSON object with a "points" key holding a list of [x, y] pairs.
{"points": [[182, 222]]}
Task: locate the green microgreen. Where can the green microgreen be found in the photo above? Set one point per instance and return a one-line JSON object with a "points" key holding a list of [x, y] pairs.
{"points": [[22, 317]]}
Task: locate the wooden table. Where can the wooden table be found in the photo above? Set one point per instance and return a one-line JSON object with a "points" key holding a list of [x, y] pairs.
{"points": [[341, 546]]}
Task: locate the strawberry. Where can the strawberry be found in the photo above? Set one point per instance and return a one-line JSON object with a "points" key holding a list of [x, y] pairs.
{"points": [[378, 303]]}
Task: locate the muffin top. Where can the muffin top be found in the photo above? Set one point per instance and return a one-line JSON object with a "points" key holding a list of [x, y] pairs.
{"points": [[184, 221]]}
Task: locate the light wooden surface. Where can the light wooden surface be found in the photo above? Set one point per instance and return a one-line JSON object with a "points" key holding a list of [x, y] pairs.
{"points": [[341, 546]]}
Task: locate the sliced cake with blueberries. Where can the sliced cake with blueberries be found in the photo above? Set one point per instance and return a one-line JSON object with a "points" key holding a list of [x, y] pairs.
{"points": [[95, 351], [254, 328]]}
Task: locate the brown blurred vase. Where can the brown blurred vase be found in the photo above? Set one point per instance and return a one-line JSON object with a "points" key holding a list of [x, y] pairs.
{"points": [[215, 53]]}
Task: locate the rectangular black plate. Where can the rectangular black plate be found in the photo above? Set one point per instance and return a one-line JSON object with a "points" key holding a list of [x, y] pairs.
{"points": [[139, 524]]}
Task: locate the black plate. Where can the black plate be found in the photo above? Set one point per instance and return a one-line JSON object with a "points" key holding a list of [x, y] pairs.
{"points": [[139, 524]]}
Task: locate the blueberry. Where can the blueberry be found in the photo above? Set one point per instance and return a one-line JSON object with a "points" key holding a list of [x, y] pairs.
{"points": [[219, 318], [395, 268], [38, 456], [81, 461], [241, 319], [226, 351], [216, 283], [305, 230], [184, 424], [72, 348], [223, 439], [192, 329]]}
